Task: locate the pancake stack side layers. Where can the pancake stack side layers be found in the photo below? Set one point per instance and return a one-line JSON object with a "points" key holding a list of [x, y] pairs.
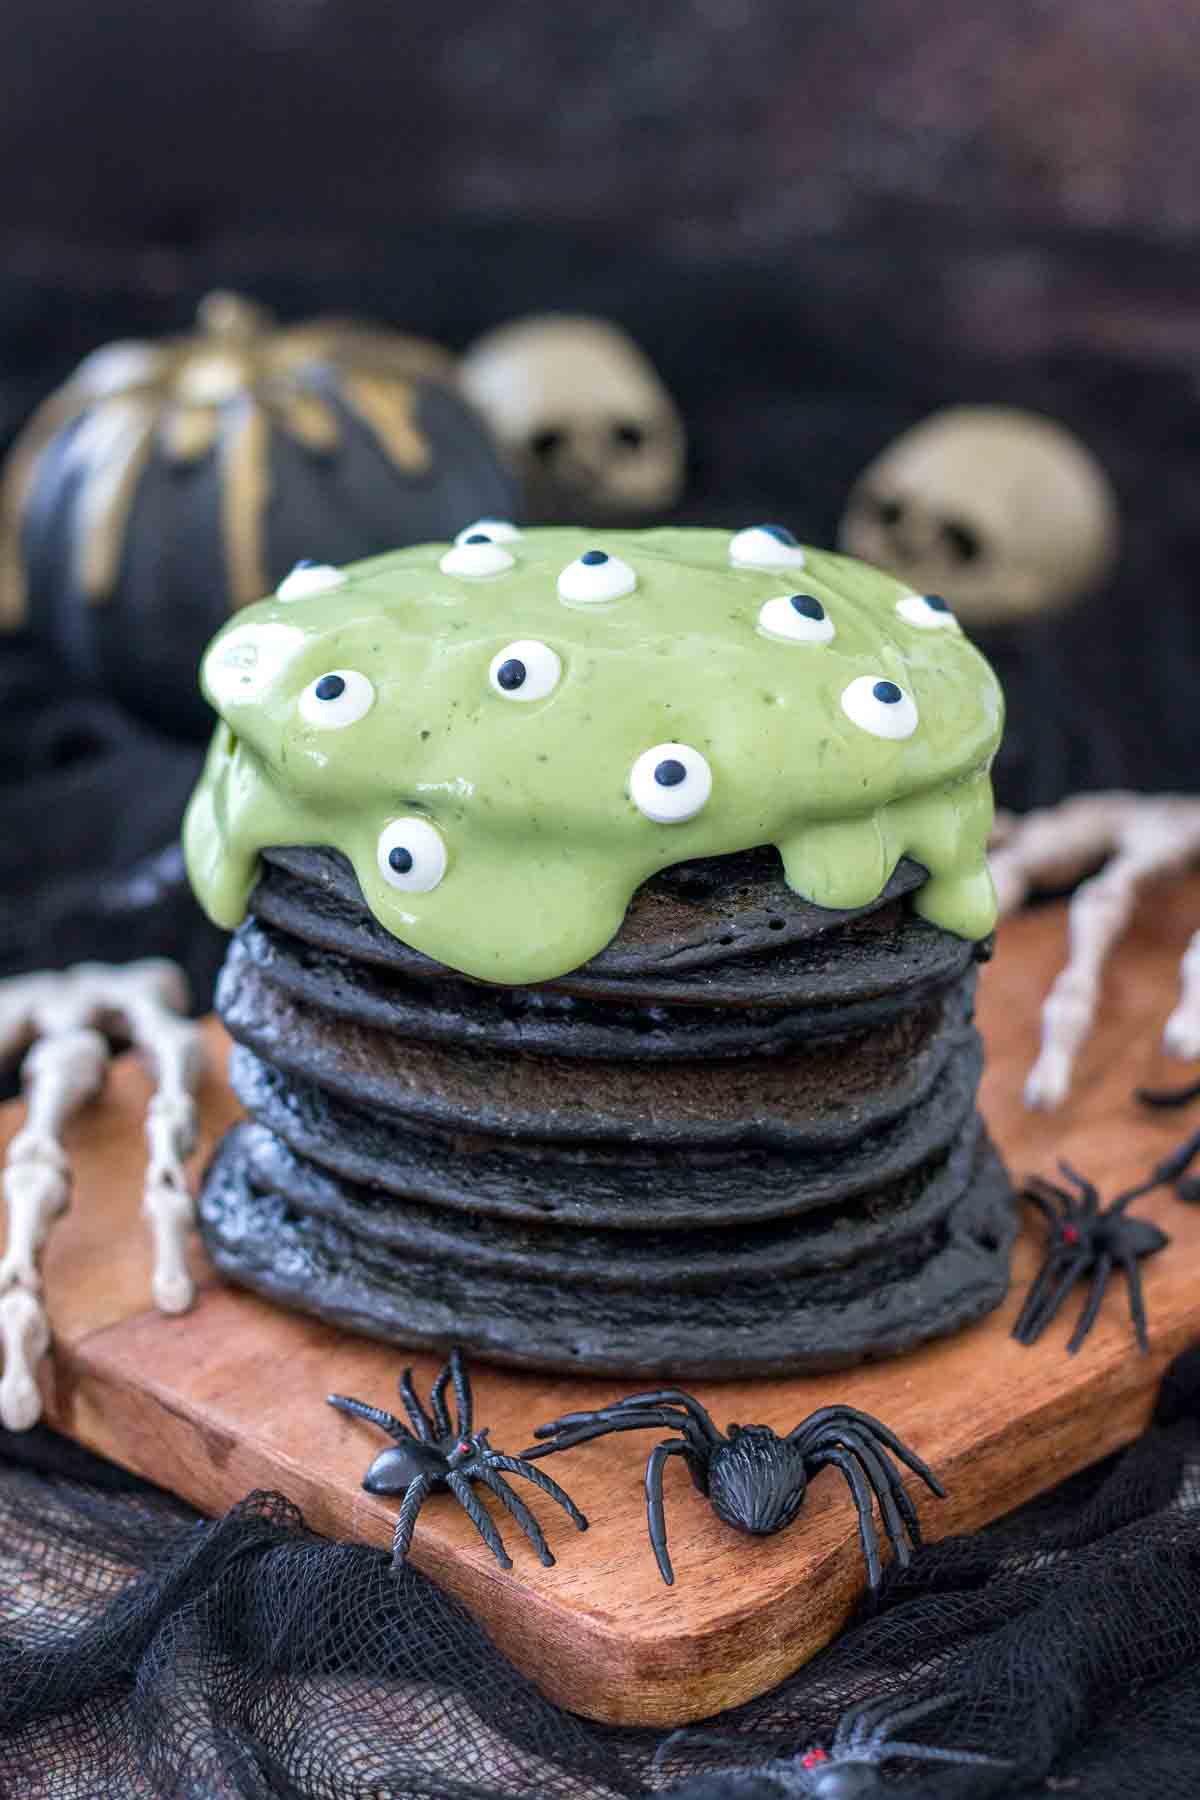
{"points": [[608, 910]]}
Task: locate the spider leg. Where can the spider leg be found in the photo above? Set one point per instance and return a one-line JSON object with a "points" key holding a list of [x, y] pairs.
{"points": [[1072, 1268], [592, 1425], [931, 1753], [1047, 1196], [517, 1507], [895, 1507], [437, 1404], [1137, 1305], [461, 1490], [462, 1393], [1087, 1318], [655, 1517], [517, 1465], [1026, 1319], [374, 1415], [676, 1397], [415, 1494], [422, 1424], [868, 1535], [875, 1428], [1089, 1197]]}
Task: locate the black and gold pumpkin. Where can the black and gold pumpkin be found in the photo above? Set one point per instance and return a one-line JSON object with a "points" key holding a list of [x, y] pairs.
{"points": [[168, 483]]}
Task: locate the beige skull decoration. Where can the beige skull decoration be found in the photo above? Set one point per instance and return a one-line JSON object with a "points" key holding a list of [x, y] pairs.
{"points": [[1002, 512], [589, 427]]}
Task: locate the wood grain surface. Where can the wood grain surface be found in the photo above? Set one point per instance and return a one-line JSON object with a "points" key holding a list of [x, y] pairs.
{"points": [[230, 1397]]}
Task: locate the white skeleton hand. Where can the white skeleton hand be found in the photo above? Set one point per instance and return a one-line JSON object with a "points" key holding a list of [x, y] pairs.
{"points": [[63, 1017], [1142, 836]]}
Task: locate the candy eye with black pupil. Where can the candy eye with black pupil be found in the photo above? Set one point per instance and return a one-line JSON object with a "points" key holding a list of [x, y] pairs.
{"points": [[546, 444], [670, 783], [476, 556], [336, 699], [889, 512], [880, 706], [929, 612], [595, 576], [309, 578], [411, 855], [800, 618], [496, 531], [525, 670], [629, 437], [765, 547]]}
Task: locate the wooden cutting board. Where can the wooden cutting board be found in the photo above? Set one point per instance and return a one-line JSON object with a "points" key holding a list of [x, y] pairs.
{"points": [[230, 1397]]}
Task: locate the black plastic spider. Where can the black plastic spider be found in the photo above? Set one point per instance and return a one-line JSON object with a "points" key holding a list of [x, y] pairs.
{"points": [[1083, 1236], [435, 1455], [1173, 1168], [755, 1480], [849, 1767]]}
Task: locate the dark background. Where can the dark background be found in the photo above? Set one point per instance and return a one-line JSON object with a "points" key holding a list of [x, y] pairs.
{"points": [[821, 219]]}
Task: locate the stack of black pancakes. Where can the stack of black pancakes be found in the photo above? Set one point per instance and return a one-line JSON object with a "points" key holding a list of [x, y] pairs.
{"points": [[742, 1139]]}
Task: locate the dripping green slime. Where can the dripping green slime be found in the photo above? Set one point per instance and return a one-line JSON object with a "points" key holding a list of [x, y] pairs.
{"points": [[545, 848]]}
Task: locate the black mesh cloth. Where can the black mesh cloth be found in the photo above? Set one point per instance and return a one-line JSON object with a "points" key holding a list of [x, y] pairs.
{"points": [[146, 1652]]}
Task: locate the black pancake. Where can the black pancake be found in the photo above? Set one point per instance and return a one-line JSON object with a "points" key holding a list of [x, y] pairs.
{"points": [[624, 1186], [956, 1272], [742, 1138]]}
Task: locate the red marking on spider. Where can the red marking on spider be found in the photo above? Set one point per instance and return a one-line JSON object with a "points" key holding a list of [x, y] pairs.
{"points": [[1070, 1235], [811, 1760], [463, 1447]]}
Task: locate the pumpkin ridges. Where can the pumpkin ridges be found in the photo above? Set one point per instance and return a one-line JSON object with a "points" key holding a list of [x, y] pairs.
{"points": [[388, 408], [112, 445], [245, 489]]}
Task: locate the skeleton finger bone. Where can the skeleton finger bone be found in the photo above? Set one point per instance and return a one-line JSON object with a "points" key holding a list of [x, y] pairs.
{"points": [[64, 1016], [1146, 836], [24, 1339]]}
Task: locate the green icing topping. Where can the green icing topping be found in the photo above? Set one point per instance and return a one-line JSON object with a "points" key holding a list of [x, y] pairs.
{"points": [[530, 804]]}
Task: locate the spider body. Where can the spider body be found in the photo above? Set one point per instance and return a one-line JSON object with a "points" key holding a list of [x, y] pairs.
{"points": [[755, 1479], [1084, 1237], [431, 1455], [850, 1766]]}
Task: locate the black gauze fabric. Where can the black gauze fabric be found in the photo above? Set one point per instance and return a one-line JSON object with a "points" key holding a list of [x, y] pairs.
{"points": [[146, 1652]]}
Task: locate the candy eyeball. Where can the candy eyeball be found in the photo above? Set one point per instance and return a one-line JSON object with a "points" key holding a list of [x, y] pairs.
{"points": [[243, 662], [881, 707], [497, 531], [801, 618], [337, 699], [526, 670], [928, 611], [765, 547], [411, 855], [595, 576], [475, 556], [309, 578], [670, 783]]}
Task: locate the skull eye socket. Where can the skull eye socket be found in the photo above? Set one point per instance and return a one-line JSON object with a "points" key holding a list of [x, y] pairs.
{"points": [[880, 706], [411, 855], [547, 443], [628, 436], [889, 512], [961, 541]]}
